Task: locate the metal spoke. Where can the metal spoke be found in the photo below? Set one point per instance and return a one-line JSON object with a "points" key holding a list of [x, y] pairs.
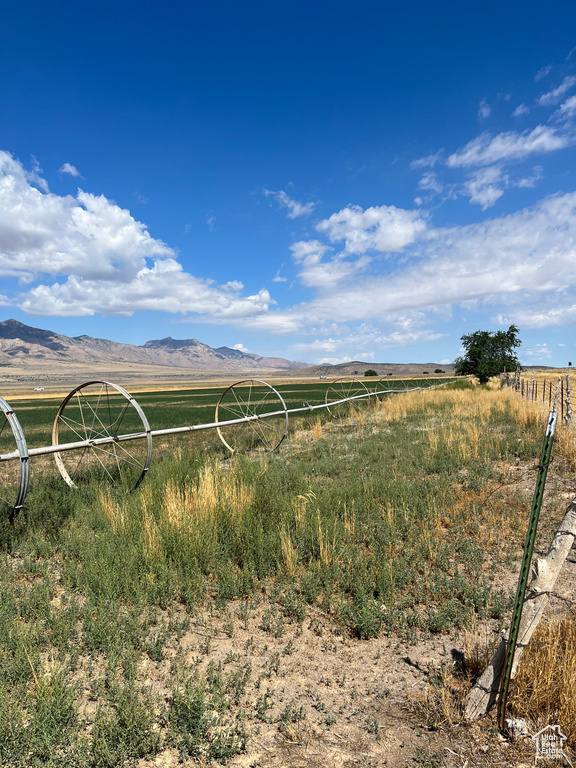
{"points": [[105, 432], [68, 423], [119, 419], [82, 414], [257, 429], [104, 467], [243, 408], [128, 458], [85, 451]]}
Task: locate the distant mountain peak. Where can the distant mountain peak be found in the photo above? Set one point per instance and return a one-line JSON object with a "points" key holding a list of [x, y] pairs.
{"points": [[19, 341], [170, 343]]}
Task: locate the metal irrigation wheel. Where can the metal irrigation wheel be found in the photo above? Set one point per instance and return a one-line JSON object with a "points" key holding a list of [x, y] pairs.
{"points": [[343, 389], [15, 471], [386, 385], [95, 410], [252, 397]]}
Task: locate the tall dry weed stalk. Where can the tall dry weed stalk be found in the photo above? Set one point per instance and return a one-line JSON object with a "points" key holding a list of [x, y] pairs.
{"points": [[289, 555], [114, 512], [325, 546], [152, 539], [479, 647], [349, 521], [300, 506]]}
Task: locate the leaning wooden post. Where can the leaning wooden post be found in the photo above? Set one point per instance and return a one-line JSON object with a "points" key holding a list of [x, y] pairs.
{"points": [[483, 695], [568, 417]]}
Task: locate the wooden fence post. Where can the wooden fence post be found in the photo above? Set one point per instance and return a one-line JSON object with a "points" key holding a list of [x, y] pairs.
{"points": [[545, 572]]}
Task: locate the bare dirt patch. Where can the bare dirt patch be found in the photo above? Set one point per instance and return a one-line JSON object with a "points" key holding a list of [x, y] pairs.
{"points": [[319, 698]]}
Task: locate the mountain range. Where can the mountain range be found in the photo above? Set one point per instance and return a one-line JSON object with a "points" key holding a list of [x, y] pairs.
{"points": [[21, 343]]}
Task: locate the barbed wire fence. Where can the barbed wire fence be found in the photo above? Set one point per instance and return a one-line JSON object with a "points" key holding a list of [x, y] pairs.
{"points": [[536, 579], [545, 391]]}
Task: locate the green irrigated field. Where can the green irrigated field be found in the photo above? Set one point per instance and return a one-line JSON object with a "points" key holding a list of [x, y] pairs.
{"points": [[179, 407]]}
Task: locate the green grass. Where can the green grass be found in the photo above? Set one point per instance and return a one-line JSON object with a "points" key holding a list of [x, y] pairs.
{"points": [[384, 525]]}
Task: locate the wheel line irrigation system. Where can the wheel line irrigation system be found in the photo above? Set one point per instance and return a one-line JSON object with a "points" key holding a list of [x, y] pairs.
{"points": [[250, 415]]}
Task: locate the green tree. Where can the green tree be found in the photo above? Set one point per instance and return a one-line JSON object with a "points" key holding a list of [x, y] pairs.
{"points": [[488, 354], [370, 372]]}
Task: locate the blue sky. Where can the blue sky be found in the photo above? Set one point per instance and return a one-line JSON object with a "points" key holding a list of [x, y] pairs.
{"points": [[317, 181]]}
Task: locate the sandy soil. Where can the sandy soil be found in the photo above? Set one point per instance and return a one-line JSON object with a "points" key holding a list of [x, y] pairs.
{"points": [[364, 703]]}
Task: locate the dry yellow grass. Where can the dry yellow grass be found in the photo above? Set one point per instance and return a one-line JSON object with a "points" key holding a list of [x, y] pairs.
{"points": [[545, 686], [183, 508], [195, 504], [289, 555], [152, 539], [470, 411], [325, 546], [316, 429], [114, 512], [300, 507]]}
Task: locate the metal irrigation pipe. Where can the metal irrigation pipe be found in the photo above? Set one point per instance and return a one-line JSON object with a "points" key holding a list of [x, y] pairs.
{"points": [[100, 441], [121, 464]]}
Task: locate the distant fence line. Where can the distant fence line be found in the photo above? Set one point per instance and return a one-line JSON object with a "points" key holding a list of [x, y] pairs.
{"points": [[556, 393]]}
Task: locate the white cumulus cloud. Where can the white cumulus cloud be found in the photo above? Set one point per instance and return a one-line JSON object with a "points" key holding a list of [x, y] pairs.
{"points": [[520, 110], [542, 72], [89, 255], [429, 181], [485, 187], [484, 110], [383, 228], [314, 272], [568, 109], [165, 287], [525, 255]]}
